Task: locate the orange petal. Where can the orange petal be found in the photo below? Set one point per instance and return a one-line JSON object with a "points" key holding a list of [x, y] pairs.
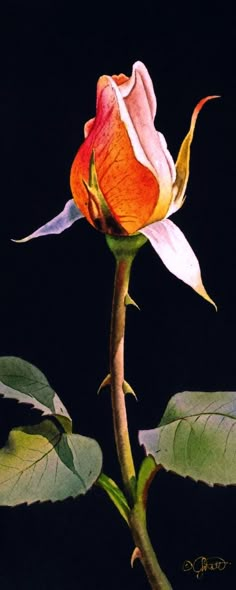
{"points": [[120, 79], [129, 187]]}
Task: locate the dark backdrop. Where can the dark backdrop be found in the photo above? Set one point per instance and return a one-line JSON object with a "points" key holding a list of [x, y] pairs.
{"points": [[56, 292]]}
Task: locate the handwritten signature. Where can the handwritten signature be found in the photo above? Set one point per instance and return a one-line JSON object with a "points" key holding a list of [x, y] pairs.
{"points": [[201, 564]]}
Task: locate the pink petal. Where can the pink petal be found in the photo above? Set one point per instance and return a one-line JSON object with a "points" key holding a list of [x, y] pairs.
{"points": [[137, 110], [175, 252], [127, 87]]}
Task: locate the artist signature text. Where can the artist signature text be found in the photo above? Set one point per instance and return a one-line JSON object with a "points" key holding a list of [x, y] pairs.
{"points": [[202, 564]]}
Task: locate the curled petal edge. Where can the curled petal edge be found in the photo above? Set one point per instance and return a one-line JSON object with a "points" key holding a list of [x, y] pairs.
{"points": [[183, 160], [58, 224], [177, 255]]}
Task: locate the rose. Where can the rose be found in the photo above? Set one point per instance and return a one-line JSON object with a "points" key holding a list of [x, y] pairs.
{"points": [[134, 169], [123, 178]]}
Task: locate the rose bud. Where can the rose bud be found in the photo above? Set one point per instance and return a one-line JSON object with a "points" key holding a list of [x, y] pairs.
{"points": [[123, 178]]}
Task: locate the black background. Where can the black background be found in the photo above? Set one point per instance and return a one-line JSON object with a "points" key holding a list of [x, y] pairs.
{"points": [[56, 291]]}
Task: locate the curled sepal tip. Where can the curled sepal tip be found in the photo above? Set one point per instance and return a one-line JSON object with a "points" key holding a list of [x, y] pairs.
{"points": [[183, 159], [177, 255]]}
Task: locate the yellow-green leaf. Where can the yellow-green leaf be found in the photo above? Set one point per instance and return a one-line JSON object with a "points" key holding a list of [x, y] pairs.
{"points": [[197, 437], [25, 383], [42, 463]]}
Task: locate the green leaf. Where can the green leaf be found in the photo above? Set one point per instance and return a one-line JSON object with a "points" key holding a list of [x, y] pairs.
{"points": [[196, 437], [24, 382], [115, 494], [41, 462]]}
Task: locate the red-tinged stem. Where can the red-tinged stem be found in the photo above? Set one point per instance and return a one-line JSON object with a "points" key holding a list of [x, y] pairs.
{"points": [[137, 519], [117, 375]]}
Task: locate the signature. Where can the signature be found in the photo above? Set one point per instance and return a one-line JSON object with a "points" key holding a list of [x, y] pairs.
{"points": [[201, 564]]}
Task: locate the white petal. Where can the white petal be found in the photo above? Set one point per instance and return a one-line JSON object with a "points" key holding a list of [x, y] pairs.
{"points": [[133, 135], [176, 253], [150, 148], [168, 156], [58, 224]]}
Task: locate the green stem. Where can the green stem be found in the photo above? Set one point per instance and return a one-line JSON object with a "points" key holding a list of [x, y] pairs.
{"points": [[137, 519], [155, 575]]}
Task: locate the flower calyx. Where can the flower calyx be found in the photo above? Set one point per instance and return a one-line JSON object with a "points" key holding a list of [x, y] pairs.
{"points": [[124, 247], [99, 212]]}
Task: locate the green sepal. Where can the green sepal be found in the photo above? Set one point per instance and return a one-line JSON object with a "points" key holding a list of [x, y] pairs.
{"points": [[93, 179], [99, 210], [93, 187], [115, 494]]}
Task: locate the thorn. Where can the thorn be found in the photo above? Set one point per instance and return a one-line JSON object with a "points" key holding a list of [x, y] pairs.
{"points": [[128, 389], [135, 555], [130, 301], [105, 382]]}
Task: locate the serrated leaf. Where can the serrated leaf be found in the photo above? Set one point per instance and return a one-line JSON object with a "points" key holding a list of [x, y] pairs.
{"points": [[197, 437], [41, 463], [25, 383]]}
